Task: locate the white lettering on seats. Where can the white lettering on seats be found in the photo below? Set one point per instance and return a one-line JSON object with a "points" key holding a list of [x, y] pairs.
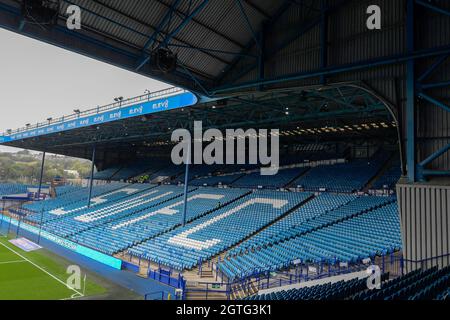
{"points": [[169, 209], [95, 201], [120, 207], [183, 240]]}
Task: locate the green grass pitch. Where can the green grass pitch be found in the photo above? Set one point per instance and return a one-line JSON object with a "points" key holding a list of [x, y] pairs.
{"points": [[36, 276]]}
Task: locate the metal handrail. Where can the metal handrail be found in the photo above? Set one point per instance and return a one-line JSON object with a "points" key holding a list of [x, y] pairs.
{"points": [[112, 106]]}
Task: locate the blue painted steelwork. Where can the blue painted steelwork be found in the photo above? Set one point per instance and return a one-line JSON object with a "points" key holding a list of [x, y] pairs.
{"points": [[41, 175], [248, 24], [434, 101], [75, 37], [180, 27], [152, 38], [186, 183], [240, 54], [324, 38], [433, 8], [435, 155], [91, 178], [410, 95], [367, 64], [415, 89], [433, 67]]}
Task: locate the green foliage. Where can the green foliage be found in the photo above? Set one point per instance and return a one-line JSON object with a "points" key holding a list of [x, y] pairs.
{"points": [[24, 167]]}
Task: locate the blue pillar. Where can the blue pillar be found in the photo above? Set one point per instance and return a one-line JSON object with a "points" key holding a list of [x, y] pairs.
{"points": [[323, 38], [41, 175], [91, 181], [410, 97], [186, 181]]}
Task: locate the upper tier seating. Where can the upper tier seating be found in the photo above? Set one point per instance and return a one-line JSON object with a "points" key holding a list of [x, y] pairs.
{"points": [[342, 177], [216, 232], [166, 172], [389, 178], [365, 227], [281, 179], [136, 168], [226, 179], [196, 171], [66, 189], [132, 229], [106, 174], [124, 204]]}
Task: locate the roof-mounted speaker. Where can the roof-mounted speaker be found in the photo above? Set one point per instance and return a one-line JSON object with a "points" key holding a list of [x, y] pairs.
{"points": [[164, 60]]}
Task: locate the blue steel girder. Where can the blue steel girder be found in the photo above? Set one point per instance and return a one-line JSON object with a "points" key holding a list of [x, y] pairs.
{"points": [[248, 24], [182, 15], [416, 91], [267, 25], [151, 40], [321, 20], [181, 26], [323, 38]]}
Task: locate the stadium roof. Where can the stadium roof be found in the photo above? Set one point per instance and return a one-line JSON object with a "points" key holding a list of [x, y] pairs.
{"points": [[332, 112], [210, 40]]}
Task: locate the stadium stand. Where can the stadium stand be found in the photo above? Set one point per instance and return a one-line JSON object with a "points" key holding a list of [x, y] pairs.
{"points": [[66, 189], [431, 284], [106, 174], [197, 171], [12, 189], [204, 238], [225, 179], [123, 202], [69, 201], [321, 204], [420, 284], [133, 228], [281, 179], [348, 234], [389, 178], [342, 177]]}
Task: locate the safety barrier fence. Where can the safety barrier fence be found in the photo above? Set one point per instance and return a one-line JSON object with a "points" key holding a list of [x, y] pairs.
{"points": [[302, 272]]}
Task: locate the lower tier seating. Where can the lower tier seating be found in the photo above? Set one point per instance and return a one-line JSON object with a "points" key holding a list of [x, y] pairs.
{"points": [[431, 284], [131, 229], [204, 238], [375, 231], [88, 218]]}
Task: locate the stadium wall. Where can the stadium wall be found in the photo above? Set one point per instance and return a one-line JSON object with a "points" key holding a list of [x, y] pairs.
{"points": [[425, 222]]}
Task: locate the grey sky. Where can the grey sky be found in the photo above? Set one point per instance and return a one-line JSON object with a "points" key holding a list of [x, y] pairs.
{"points": [[38, 80]]}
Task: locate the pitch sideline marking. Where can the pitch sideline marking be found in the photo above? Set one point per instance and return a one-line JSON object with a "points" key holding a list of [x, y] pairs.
{"points": [[11, 262], [40, 268]]}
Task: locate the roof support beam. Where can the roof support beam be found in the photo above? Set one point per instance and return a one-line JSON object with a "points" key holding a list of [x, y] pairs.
{"points": [[248, 23], [268, 24], [183, 15], [174, 32], [151, 40], [185, 22]]}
